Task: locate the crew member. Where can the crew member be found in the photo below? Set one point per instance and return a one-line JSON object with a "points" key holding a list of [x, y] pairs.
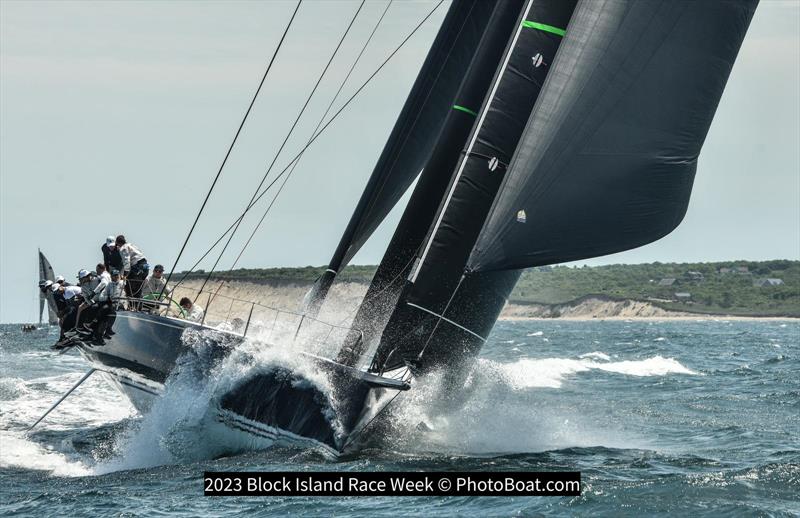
{"points": [[106, 314], [73, 298], [91, 288], [193, 311], [117, 293], [101, 271], [134, 267], [111, 256], [155, 287], [44, 286], [62, 307]]}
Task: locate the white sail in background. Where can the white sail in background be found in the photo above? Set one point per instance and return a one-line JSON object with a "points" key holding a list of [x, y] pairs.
{"points": [[46, 273]]}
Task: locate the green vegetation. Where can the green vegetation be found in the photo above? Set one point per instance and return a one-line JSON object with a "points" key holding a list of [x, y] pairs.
{"points": [[731, 293], [711, 288], [301, 275]]}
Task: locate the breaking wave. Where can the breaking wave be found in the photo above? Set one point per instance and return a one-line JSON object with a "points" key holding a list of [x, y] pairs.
{"points": [[24, 401], [500, 411], [183, 424], [551, 372]]}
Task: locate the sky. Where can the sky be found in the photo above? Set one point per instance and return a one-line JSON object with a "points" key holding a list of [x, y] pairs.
{"points": [[115, 117]]}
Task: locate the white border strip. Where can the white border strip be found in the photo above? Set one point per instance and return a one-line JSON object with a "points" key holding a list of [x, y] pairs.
{"points": [[471, 144], [473, 333]]}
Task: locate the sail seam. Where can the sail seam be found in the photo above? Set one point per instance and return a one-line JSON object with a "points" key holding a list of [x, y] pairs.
{"points": [[543, 27], [465, 110], [474, 138], [473, 333]]}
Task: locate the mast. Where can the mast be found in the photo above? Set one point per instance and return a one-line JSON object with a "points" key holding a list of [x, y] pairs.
{"points": [[387, 284], [414, 134], [41, 276], [434, 319]]}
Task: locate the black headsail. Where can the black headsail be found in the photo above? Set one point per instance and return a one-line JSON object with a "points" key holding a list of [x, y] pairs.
{"points": [[428, 324], [414, 133], [462, 108], [46, 273], [609, 155]]}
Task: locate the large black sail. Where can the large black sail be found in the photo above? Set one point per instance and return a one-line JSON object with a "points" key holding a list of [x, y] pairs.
{"points": [[46, 273], [444, 315], [414, 133], [410, 233], [609, 154]]}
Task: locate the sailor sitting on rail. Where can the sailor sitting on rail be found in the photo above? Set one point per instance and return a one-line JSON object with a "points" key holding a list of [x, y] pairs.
{"points": [[44, 285], [107, 301], [72, 299], [92, 287]]}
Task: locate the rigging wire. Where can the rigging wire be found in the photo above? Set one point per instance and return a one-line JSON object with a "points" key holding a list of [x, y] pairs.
{"points": [[230, 148], [283, 144], [413, 256], [439, 320], [320, 132], [321, 120]]}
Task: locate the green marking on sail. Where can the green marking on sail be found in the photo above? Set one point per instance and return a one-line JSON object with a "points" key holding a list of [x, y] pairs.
{"points": [[543, 27], [465, 110]]}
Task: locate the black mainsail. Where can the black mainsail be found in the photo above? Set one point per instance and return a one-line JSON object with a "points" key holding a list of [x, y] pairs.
{"points": [[388, 282], [46, 273], [422, 323]]}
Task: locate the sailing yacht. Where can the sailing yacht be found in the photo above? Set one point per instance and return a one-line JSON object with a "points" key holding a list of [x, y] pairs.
{"points": [[538, 132], [46, 273]]}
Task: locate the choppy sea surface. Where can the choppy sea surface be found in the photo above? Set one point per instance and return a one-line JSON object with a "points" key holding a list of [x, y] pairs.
{"points": [[686, 417]]}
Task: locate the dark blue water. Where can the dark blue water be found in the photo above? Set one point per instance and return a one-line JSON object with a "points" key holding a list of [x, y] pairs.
{"points": [[685, 417]]}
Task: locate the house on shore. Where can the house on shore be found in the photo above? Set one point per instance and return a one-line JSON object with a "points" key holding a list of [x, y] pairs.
{"points": [[761, 283], [740, 270], [694, 276]]}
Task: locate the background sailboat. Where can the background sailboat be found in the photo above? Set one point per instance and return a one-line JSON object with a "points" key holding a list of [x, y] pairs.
{"points": [[46, 299]]}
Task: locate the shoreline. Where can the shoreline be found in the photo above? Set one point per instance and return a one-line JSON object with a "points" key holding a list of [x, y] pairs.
{"points": [[678, 318], [347, 295]]}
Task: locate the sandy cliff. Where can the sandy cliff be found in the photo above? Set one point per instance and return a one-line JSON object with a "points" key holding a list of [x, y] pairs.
{"points": [[345, 296]]}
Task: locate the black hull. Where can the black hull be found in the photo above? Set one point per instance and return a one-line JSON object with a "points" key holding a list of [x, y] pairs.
{"points": [[275, 405]]}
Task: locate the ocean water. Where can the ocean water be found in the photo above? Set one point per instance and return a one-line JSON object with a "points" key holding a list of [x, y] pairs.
{"points": [[688, 417]]}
